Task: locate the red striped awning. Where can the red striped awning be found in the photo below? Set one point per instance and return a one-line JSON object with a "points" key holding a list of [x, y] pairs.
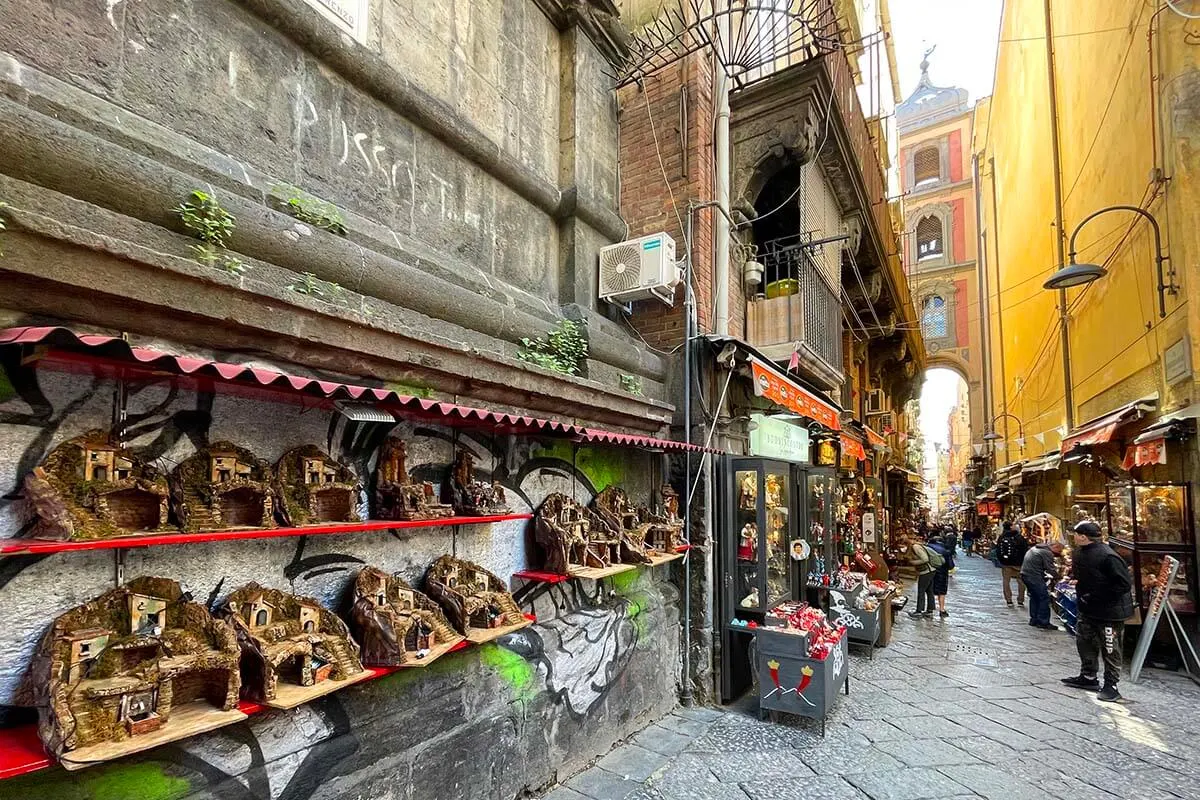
{"points": [[111, 352], [873, 438], [1101, 429], [853, 447]]}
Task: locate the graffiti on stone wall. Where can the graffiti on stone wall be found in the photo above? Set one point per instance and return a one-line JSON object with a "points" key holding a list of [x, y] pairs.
{"points": [[585, 640]]}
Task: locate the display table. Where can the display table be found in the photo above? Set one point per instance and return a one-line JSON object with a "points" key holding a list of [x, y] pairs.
{"points": [[791, 682], [862, 626]]}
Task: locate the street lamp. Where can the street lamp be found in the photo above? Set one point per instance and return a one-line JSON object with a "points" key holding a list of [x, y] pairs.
{"points": [[1073, 274]]}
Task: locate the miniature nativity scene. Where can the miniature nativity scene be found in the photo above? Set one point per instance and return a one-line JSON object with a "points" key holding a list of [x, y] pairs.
{"points": [[314, 488], [471, 497], [292, 649], [476, 602], [397, 625], [137, 667], [397, 496], [89, 488], [644, 537], [223, 487], [577, 541]]}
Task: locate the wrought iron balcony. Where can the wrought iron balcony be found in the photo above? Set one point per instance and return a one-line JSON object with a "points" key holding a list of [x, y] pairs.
{"points": [[801, 311]]}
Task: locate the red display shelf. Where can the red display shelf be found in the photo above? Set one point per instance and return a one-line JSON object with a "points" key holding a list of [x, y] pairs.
{"points": [[536, 576], [21, 750], [683, 548], [20, 547]]}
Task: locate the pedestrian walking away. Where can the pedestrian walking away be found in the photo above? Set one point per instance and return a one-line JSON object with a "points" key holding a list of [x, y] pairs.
{"points": [[1102, 584], [940, 585], [1039, 567], [926, 562], [1010, 552]]}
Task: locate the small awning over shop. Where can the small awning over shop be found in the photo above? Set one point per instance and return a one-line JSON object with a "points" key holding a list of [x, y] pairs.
{"points": [[1043, 463], [909, 475], [112, 355], [1143, 454], [777, 387], [874, 439], [1101, 429], [1170, 426], [1003, 474], [853, 447]]}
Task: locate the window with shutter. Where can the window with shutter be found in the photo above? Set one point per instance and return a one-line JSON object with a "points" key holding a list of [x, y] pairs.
{"points": [[927, 166], [929, 238]]}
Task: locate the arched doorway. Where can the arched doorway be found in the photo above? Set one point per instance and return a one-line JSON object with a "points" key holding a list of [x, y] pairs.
{"points": [[945, 423]]}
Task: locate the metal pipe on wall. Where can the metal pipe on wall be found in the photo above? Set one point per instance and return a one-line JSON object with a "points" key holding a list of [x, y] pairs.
{"points": [[721, 190], [985, 324], [1064, 317], [999, 296]]}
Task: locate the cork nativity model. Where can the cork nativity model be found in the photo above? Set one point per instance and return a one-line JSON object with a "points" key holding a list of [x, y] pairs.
{"points": [[397, 625]]}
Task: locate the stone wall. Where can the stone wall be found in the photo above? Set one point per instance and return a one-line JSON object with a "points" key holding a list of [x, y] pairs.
{"points": [[470, 149], [488, 722]]}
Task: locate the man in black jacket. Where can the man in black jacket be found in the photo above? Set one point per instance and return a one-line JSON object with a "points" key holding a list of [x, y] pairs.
{"points": [[1102, 583], [1010, 552]]}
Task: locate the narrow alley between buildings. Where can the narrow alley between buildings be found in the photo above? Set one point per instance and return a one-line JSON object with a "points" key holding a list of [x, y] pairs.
{"points": [[970, 706]]}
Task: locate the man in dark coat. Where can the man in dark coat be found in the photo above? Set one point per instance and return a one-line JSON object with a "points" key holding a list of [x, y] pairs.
{"points": [[1010, 552], [1102, 584]]}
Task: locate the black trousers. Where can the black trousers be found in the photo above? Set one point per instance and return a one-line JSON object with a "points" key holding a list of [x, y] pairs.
{"points": [[1099, 640], [925, 592]]}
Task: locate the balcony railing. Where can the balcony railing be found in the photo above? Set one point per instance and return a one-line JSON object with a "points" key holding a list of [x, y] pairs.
{"points": [[804, 314]]}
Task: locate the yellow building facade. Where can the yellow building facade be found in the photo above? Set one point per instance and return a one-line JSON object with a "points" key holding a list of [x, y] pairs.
{"points": [[1125, 138]]}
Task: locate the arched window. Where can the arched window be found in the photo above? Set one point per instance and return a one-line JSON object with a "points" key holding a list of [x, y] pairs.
{"points": [[927, 166], [260, 618], [929, 238], [933, 318]]}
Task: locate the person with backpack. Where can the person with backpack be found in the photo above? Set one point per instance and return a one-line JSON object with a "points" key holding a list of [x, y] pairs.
{"points": [[941, 575], [1010, 552], [926, 561]]}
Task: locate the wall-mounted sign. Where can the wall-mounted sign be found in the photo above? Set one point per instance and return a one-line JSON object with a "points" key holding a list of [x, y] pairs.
{"points": [[793, 396], [1177, 361], [777, 438], [826, 453], [349, 15], [868, 527]]}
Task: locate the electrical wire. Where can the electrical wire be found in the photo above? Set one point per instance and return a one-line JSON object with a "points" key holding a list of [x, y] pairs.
{"points": [[708, 442], [662, 166]]}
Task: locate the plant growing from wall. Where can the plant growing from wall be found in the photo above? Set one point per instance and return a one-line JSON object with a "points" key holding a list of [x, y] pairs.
{"points": [[561, 350], [309, 284], [307, 208], [632, 384], [212, 225]]}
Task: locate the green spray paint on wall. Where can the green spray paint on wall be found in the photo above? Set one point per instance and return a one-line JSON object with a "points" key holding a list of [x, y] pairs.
{"points": [[518, 673], [629, 587], [602, 466], [6, 387], [120, 781]]}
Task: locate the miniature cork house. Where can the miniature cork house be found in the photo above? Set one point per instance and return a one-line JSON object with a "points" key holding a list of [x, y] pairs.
{"points": [[470, 497], [133, 663], [89, 488], [292, 648], [223, 486], [473, 598], [573, 537], [665, 532], [626, 524], [314, 488], [397, 496], [396, 624]]}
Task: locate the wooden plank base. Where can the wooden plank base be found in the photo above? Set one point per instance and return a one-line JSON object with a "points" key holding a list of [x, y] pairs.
{"points": [[289, 695], [484, 635], [435, 652], [596, 573], [190, 720], [664, 558]]}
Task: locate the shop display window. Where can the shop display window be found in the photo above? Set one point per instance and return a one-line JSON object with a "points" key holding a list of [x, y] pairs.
{"points": [[1148, 521]]}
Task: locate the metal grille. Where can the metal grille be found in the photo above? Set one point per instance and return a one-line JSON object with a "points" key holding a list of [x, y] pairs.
{"points": [[819, 321]]}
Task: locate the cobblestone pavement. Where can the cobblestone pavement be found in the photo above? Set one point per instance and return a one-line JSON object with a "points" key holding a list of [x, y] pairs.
{"points": [[970, 706]]}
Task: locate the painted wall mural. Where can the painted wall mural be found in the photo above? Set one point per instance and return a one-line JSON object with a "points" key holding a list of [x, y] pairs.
{"points": [[601, 659]]}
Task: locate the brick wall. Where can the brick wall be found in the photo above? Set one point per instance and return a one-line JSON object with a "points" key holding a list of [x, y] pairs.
{"points": [[645, 199]]}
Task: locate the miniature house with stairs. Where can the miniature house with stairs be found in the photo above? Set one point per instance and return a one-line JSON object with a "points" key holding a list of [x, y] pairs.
{"points": [[397, 496], [476, 602], [223, 487], [90, 488], [396, 624], [471, 497], [314, 488]]}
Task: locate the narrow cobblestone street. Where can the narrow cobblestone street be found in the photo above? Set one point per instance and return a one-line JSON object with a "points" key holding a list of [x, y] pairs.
{"points": [[970, 706]]}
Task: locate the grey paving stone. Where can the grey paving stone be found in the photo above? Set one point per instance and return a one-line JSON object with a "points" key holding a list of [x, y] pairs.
{"points": [[930, 727], [563, 793], [700, 713], [1071, 789], [661, 740], [839, 761], [985, 749], [600, 784], [992, 783], [737, 768], [633, 762], [879, 730], [646, 793], [822, 787], [1146, 782], [926, 752], [909, 784], [687, 726]]}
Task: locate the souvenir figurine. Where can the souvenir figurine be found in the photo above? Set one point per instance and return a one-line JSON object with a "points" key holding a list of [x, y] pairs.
{"points": [[748, 542], [396, 624], [476, 602], [223, 487], [748, 492]]}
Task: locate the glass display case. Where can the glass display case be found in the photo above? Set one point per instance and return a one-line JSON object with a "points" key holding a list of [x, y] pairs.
{"points": [[765, 528], [1147, 521]]}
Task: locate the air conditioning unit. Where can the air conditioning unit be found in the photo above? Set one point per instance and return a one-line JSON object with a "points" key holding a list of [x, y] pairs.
{"points": [[882, 423], [875, 401], [639, 269]]}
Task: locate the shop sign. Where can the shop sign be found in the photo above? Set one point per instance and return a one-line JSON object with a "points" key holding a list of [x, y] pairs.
{"points": [[348, 15], [777, 438], [985, 509], [853, 447], [1177, 362], [779, 390], [868, 527], [826, 453], [1146, 453]]}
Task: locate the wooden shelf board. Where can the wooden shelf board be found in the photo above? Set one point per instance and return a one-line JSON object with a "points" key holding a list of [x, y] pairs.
{"points": [[290, 695], [484, 635], [193, 719], [596, 573], [658, 561], [16, 547]]}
